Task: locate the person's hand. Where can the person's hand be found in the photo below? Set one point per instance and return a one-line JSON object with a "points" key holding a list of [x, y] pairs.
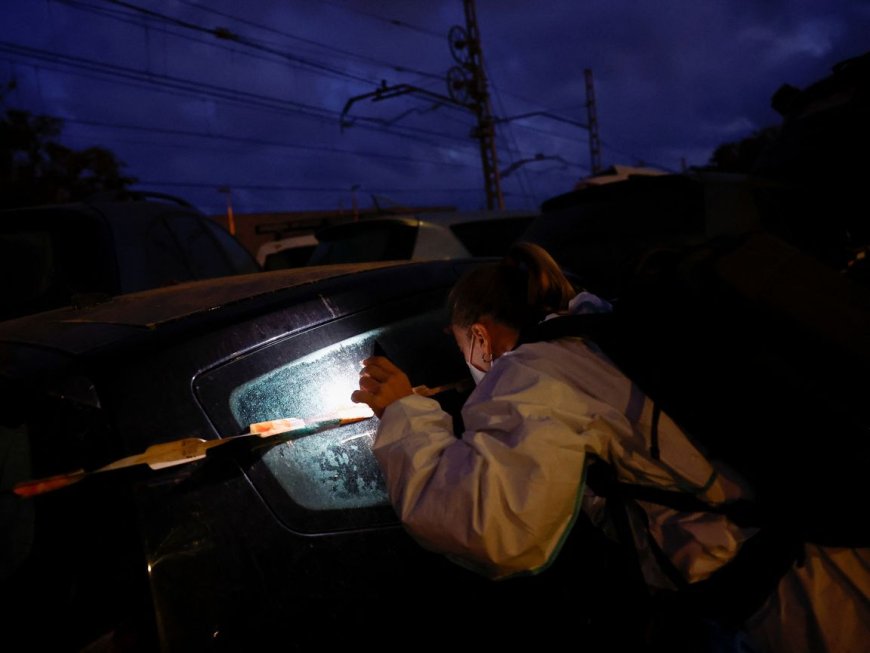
{"points": [[380, 384]]}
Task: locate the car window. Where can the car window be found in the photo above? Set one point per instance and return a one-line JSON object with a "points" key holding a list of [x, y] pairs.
{"points": [[292, 257], [316, 482], [151, 254], [491, 237], [239, 259], [173, 246], [200, 250], [332, 470], [358, 242]]}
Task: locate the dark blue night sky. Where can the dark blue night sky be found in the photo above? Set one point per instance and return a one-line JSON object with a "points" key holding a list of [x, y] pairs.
{"points": [[190, 113]]}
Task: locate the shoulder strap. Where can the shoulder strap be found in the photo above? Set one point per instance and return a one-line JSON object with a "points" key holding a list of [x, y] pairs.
{"points": [[595, 326], [600, 327], [735, 591], [602, 480]]}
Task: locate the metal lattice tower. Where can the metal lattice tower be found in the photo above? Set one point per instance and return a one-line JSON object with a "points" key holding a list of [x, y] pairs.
{"points": [[467, 84]]}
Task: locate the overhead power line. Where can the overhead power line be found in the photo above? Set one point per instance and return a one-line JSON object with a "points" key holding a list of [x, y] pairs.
{"points": [[367, 154], [133, 19], [391, 21], [257, 141], [165, 81], [145, 18], [301, 189], [319, 44], [201, 89], [230, 36], [225, 34]]}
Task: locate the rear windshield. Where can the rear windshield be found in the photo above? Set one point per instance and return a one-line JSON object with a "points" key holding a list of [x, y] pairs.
{"points": [[490, 237], [361, 242]]}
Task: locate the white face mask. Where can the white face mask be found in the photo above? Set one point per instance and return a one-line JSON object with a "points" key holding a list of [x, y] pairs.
{"points": [[476, 374]]}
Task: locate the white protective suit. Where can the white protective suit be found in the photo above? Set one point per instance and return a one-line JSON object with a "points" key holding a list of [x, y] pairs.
{"points": [[502, 498]]}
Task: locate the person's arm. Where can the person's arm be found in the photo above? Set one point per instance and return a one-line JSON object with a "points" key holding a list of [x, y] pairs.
{"points": [[501, 498]]}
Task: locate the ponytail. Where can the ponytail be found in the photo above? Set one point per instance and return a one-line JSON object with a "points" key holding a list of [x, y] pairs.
{"points": [[519, 291]]}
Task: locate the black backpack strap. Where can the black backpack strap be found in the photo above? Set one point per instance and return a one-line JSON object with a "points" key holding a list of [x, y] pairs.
{"points": [[600, 328], [602, 480], [603, 327], [595, 326], [736, 590]]}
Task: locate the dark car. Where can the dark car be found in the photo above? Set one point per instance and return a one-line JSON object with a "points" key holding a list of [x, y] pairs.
{"points": [[604, 234], [291, 546], [55, 255]]}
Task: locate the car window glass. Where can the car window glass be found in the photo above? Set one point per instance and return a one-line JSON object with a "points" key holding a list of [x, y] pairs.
{"points": [[491, 237], [154, 257], [317, 384], [234, 254], [330, 470], [311, 376], [292, 257], [202, 255], [361, 242]]}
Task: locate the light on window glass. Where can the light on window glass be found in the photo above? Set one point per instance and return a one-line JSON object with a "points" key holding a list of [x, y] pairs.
{"points": [[317, 384], [333, 469]]}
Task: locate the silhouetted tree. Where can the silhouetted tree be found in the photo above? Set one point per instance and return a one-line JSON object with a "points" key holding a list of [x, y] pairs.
{"points": [[36, 169], [741, 156]]}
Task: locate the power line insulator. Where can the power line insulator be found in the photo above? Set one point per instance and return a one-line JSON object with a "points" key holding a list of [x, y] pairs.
{"points": [[458, 39], [225, 33], [459, 82]]}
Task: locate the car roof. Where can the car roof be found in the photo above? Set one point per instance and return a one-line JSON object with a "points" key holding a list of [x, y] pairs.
{"points": [[55, 339], [150, 308]]}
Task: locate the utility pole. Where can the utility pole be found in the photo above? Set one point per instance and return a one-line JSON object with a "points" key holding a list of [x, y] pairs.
{"points": [[467, 88], [467, 83], [591, 113]]}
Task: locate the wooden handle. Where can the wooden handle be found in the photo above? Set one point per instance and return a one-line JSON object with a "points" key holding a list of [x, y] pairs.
{"points": [[43, 485]]}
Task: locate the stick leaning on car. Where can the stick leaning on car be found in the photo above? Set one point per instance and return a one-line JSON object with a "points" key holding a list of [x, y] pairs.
{"points": [[187, 450]]}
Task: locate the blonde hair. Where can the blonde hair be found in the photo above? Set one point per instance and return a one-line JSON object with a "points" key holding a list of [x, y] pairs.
{"points": [[518, 291]]}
